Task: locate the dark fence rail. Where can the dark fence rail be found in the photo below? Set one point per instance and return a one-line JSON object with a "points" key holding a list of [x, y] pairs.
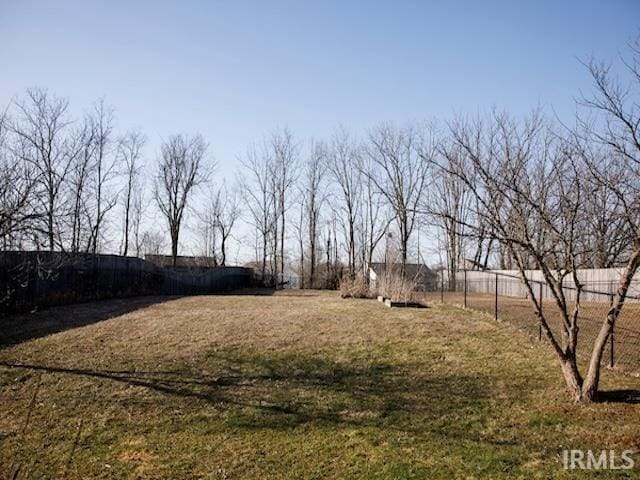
{"points": [[34, 279]]}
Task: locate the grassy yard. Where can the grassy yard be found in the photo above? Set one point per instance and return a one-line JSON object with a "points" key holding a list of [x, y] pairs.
{"points": [[290, 386], [520, 313]]}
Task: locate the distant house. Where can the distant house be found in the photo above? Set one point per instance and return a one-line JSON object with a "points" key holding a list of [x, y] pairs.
{"points": [[424, 278]]}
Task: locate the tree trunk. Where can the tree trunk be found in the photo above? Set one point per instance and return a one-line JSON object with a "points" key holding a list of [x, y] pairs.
{"points": [[590, 388], [223, 250], [352, 249], [301, 263], [312, 261], [264, 255], [174, 245], [94, 248], [275, 253], [282, 242], [126, 228], [453, 255], [572, 376], [126, 217], [328, 268], [50, 223], [403, 259]]}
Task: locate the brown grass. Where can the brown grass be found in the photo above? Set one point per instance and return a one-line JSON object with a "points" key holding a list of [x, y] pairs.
{"points": [[519, 312], [290, 385]]}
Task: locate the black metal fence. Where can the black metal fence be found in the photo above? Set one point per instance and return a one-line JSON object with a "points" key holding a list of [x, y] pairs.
{"points": [[33, 279], [504, 297]]}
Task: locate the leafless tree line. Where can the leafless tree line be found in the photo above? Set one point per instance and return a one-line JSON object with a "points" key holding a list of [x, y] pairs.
{"points": [[345, 195], [353, 198], [61, 180], [74, 185], [59, 174]]}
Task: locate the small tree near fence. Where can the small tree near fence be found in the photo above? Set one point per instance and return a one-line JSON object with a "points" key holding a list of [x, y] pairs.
{"points": [[529, 186]]}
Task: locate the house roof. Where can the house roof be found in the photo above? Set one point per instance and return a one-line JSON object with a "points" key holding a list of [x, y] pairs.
{"points": [[417, 271]]}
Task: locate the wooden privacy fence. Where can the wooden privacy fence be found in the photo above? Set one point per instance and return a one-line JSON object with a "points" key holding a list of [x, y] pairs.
{"points": [[597, 282]]}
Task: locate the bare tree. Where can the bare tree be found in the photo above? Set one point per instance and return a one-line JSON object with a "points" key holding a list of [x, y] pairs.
{"points": [[299, 228], [41, 127], [311, 197], [606, 239], [78, 180], [618, 109], [314, 197], [402, 159], [225, 214], [180, 170], [17, 186], [152, 242], [137, 211], [483, 239], [375, 220], [332, 268], [284, 165], [531, 186], [274, 238], [208, 230], [257, 189], [130, 148], [105, 168], [529, 191], [449, 205], [342, 162]]}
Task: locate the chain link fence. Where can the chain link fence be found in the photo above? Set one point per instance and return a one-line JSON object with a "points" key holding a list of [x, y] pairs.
{"points": [[505, 298]]}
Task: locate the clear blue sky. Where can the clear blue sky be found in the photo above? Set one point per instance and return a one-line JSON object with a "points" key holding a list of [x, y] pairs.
{"points": [[235, 70]]}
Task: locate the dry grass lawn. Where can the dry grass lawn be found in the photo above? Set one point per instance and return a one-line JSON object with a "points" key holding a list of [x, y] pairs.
{"points": [[302, 385], [519, 312]]}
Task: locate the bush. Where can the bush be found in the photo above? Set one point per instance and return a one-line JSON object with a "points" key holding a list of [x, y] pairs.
{"points": [[397, 288], [354, 288]]}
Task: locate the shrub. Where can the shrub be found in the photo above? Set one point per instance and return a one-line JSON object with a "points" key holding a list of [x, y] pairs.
{"points": [[354, 288], [394, 286]]}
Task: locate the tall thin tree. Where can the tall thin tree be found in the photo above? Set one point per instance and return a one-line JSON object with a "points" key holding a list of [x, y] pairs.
{"points": [[130, 148], [400, 155], [181, 168]]}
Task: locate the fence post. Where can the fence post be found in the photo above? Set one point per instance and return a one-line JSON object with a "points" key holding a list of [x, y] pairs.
{"points": [[465, 288], [611, 360], [496, 299], [441, 288], [612, 356], [540, 323]]}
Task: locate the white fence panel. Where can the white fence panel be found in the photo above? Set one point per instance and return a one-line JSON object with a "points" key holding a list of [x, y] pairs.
{"points": [[596, 282]]}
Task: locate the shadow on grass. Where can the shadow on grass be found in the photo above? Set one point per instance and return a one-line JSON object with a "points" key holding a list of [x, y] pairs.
{"points": [[285, 391], [19, 328], [280, 292], [619, 396], [250, 291]]}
